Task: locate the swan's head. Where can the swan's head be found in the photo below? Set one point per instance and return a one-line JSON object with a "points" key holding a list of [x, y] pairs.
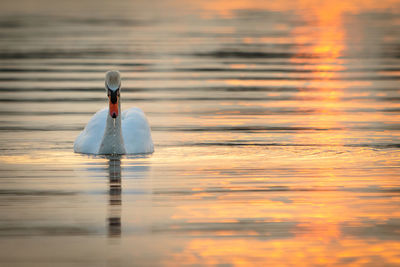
{"points": [[113, 85]]}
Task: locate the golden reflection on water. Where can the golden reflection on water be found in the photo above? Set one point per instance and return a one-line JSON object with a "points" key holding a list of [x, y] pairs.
{"points": [[287, 197], [241, 252], [226, 8], [328, 44], [320, 221]]}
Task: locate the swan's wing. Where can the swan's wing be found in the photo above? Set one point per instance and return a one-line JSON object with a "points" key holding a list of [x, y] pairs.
{"points": [[88, 141], [136, 132]]}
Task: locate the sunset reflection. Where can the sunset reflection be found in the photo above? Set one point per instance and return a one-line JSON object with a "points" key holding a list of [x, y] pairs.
{"points": [[316, 230], [275, 126], [328, 46], [306, 7]]}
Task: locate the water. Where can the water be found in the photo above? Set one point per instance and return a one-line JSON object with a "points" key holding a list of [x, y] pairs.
{"points": [[276, 131]]}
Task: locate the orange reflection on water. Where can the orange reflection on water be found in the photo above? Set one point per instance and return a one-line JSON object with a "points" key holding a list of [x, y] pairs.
{"points": [[227, 8], [318, 234], [319, 229], [248, 252], [328, 47]]}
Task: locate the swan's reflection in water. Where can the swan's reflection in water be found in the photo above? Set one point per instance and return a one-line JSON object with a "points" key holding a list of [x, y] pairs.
{"points": [[115, 200], [135, 171]]}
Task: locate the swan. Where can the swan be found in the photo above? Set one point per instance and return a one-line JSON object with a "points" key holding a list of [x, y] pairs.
{"points": [[111, 131]]}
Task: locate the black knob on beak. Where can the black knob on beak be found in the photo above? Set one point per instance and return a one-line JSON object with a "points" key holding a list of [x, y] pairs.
{"points": [[113, 95]]}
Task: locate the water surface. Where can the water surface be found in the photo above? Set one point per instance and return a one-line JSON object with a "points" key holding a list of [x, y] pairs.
{"points": [[276, 131]]}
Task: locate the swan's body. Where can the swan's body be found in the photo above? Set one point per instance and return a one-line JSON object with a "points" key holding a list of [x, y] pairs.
{"points": [[109, 132]]}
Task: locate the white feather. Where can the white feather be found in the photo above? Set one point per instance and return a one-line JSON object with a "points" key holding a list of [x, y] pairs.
{"points": [[135, 131]]}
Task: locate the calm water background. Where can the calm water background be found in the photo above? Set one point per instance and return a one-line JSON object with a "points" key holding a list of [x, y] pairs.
{"points": [[276, 128]]}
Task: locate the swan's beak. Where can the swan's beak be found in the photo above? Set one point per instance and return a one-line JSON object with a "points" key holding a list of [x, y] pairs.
{"points": [[113, 97]]}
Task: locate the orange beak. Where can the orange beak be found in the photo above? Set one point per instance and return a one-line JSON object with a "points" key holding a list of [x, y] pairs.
{"points": [[113, 108]]}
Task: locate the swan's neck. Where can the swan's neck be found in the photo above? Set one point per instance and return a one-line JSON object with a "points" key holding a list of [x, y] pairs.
{"points": [[112, 142]]}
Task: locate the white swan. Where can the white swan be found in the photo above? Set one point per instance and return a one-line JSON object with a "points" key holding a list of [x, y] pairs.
{"points": [[110, 132]]}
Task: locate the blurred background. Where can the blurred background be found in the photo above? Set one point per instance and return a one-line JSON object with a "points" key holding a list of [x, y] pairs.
{"points": [[275, 123]]}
